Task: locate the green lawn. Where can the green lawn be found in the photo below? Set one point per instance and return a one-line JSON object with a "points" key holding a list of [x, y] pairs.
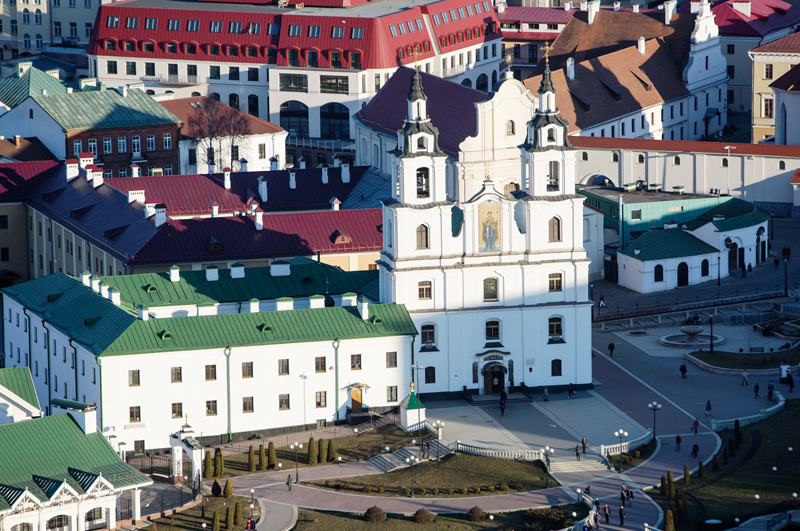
{"points": [[534, 520], [738, 360], [192, 519], [455, 471], [630, 459]]}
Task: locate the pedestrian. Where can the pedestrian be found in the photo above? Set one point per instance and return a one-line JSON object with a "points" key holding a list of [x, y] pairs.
{"points": [[683, 370], [249, 523], [588, 490], [678, 443], [583, 443], [777, 261], [622, 515], [771, 386], [769, 394], [597, 505], [611, 348], [630, 496], [602, 301], [623, 496], [585, 527], [578, 452], [790, 381], [607, 512], [695, 450], [571, 391], [289, 481], [755, 389], [695, 425], [428, 449], [744, 378], [597, 519], [503, 398], [708, 409]]}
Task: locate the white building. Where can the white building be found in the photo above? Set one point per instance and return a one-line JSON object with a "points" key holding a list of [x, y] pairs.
{"points": [[18, 400]]}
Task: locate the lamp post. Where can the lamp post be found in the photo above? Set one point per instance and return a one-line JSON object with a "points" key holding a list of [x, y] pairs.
{"points": [[412, 461], [771, 226], [547, 452], [711, 322], [416, 367], [729, 148], [355, 430], [204, 526], [296, 447], [252, 505], [718, 270], [654, 407], [252, 494], [621, 434]]}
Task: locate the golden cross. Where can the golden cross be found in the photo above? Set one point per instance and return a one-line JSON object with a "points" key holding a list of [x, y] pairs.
{"points": [[416, 53], [547, 49]]}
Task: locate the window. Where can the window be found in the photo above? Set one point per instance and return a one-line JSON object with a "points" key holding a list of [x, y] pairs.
{"points": [[176, 374], [313, 31], [334, 84], [211, 372], [112, 22], [216, 26], [107, 146], [214, 72], [177, 410], [724, 162], [321, 399], [730, 71], [77, 149], [254, 28], [428, 334], [430, 375], [130, 68], [135, 413], [554, 329], [233, 73], [247, 404], [767, 71], [311, 58], [149, 47], [355, 362], [677, 161], [93, 146], [111, 67], [492, 330], [355, 60], [731, 49], [554, 282], [252, 74], [336, 59], [704, 268], [769, 108], [283, 367], [235, 27], [151, 142], [781, 165], [294, 30], [247, 369], [293, 83], [658, 273], [319, 364], [133, 378], [283, 402], [636, 214], [554, 230], [122, 144], [211, 408], [422, 237], [391, 360], [490, 289], [192, 25], [555, 368], [150, 23], [357, 33], [132, 22]]}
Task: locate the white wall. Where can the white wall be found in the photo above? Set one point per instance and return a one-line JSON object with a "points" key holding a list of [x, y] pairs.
{"points": [[19, 121]]}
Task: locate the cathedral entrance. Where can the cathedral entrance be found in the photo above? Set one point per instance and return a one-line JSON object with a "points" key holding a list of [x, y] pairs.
{"points": [[494, 377]]}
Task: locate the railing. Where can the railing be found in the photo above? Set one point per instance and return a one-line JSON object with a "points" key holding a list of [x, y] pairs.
{"points": [[722, 425], [777, 521], [454, 71], [527, 455], [322, 144], [626, 446], [173, 79]]}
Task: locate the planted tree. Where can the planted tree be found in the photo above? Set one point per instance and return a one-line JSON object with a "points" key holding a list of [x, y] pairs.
{"points": [[332, 455], [273, 459], [208, 465], [228, 492], [686, 475], [701, 471], [229, 517], [663, 485], [670, 485], [715, 464], [312, 451], [216, 488], [669, 523], [215, 521], [219, 463], [262, 458], [322, 450], [251, 459], [237, 513]]}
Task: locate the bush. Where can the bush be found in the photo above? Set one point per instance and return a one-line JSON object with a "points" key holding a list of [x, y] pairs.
{"points": [[347, 486], [476, 490], [490, 488], [380, 490], [367, 489], [407, 491], [424, 516], [237, 514], [519, 486], [450, 491], [262, 458], [663, 485], [219, 463], [375, 514], [332, 455], [547, 519], [229, 517], [216, 488], [435, 491], [715, 464], [423, 491], [228, 492], [701, 471], [476, 514], [215, 521], [737, 434], [208, 466], [669, 524], [322, 451], [686, 475], [670, 485], [505, 488], [464, 491], [251, 459], [273, 459], [312, 451]]}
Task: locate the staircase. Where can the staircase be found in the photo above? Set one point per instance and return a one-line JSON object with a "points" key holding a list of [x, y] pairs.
{"points": [[388, 462], [588, 462], [494, 399]]}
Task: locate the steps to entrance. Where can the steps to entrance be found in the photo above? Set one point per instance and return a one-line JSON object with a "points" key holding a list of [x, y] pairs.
{"points": [[586, 463], [494, 399], [395, 460]]}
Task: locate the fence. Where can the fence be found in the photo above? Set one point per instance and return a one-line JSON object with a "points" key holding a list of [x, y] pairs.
{"points": [[159, 501], [626, 446], [528, 455], [722, 425]]}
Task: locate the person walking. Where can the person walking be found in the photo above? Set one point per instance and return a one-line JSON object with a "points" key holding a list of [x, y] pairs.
{"points": [[607, 512], [578, 452], [623, 496], [678, 443], [622, 515], [695, 450], [597, 519], [611, 347], [629, 495], [503, 398], [695, 425], [683, 370], [602, 301], [790, 382], [755, 389], [570, 391], [583, 443], [289, 481], [708, 409], [744, 378]]}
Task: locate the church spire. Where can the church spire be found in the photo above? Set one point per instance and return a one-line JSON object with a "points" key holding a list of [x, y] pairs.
{"points": [[415, 91]]}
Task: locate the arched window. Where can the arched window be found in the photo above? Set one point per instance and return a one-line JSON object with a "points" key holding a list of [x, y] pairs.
{"points": [[551, 135], [554, 230], [26, 41], [452, 39], [95, 514], [704, 268], [422, 143], [469, 35], [492, 330], [233, 51], [423, 183], [335, 121], [233, 101], [39, 42], [482, 83], [554, 177], [294, 118], [37, 17], [658, 273], [724, 162], [615, 157], [555, 329], [781, 165], [555, 368], [424, 290], [427, 46], [252, 105], [26, 16], [196, 94], [490, 289], [58, 522], [215, 96], [444, 42], [584, 156], [422, 237], [389, 234], [677, 161], [460, 37], [494, 79], [641, 158], [428, 334], [22, 527], [510, 128]]}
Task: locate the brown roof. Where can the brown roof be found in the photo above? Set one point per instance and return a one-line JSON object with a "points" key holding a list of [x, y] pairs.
{"points": [[788, 44], [796, 177], [684, 146], [790, 81], [183, 109], [24, 149], [615, 84]]}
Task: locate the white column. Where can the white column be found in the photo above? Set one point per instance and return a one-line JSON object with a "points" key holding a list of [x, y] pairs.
{"points": [[80, 523], [177, 461], [72, 522], [111, 516], [137, 509]]}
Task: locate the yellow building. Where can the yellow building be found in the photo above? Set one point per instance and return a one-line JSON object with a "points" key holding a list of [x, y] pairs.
{"points": [[770, 61]]}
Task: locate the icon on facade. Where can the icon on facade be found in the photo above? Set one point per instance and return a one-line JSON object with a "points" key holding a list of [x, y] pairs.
{"points": [[489, 215]]}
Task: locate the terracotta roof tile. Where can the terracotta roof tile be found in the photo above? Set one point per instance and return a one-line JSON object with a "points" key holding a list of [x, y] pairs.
{"points": [[29, 149], [542, 15], [183, 109], [790, 81], [788, 44], [765, 17], [683, 146], [796, 177]]}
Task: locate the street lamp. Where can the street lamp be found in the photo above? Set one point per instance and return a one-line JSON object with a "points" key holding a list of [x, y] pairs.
{"points": [[711, 322], [412, 461], [251, 510], [296, 447], [655, 406], [547, 453], [621, 434], [355, 430], [729, 148], [204, 526], [718, 270], [252, 493]]}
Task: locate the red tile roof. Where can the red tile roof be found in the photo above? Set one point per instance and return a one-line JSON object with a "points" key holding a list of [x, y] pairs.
{"points": [[28, 149], [191, 195], [765, 17], [284, 236], [683, 146], [511, 36], [542, 15], [796, 177], [790, 81], [788, 44], [378, 46], [183, 109], [18, 179]]}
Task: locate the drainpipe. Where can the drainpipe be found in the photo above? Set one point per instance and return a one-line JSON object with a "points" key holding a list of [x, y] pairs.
{"points": [[621, 225], [30, 345], [228, 378], [413, 340], [100, 402], [75, 357], [336, 366], [49, 373]]}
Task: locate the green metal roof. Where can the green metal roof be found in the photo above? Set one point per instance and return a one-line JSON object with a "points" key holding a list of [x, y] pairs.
{"points": [[738, 214], [15, 89], [40, 454], [307, 278], [412, 402], [666, 244], [105, 109], [20, 382]]}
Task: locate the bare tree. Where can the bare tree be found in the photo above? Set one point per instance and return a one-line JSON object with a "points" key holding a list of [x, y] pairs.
{"points": [[218, 130]]}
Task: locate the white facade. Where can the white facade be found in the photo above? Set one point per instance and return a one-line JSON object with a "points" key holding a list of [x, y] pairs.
{"points": [[14, 409], [257, 149], [27, 120], [640, 276]]}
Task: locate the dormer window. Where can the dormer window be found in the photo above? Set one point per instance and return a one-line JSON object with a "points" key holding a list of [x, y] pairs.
{"points": [[422, 143], [423, 183], [551, 135]]}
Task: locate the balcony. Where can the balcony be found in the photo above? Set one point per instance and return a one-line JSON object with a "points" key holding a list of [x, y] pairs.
{"points": [[171, 79], [456, 70]]}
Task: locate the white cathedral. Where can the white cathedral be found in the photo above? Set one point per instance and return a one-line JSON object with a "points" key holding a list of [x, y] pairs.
{"points": [[496, 283]]}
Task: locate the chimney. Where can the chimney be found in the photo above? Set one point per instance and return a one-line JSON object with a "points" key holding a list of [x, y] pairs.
{"points": [[211, 166], [335, 203], [94, 283], [115, 296], [743, 7], [567, 6], [594, 7], [501, 7], [134, 170], [86, 418], [214, 208], [124, 92], [324, 175], [637, 251], [98, 177], [346, 166], [316, 301], [617, 6], [73, 169], [571, 68], [280, 268], [669, 9], [174, 274], [161, 214], [237, 270], [53, 72], [254, 306], [349, 299], [336, 162], [212, 273], [226, 178], [85, 159], [302, 162], [23, 67], [635, 8], [363, 308], [103, 289], [259, 220], [150, 207], [141, 310], [284, 303], [273, 164], [694, 7], [584, 6], [85, 275], [292, 180], [243, 165], [69, 90], [88, 173], [136, 194], [17, 140], [44, 92], [640, 45], [262, 188]]}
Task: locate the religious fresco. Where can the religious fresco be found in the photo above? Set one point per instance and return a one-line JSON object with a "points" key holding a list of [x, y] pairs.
{"points": [[489, 218]]}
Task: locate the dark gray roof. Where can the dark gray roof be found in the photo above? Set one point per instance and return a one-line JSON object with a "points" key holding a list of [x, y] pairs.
{"points": [[373, 186], [522, 196], [393, 203]]}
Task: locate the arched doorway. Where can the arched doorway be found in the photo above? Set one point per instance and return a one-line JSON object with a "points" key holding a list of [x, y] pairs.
{"points": [[335, 121], [763, 250], [294, 118], [8, 278], [252, 105], [233, 101], [733, 257], [683, 274], [494, 377], [482, 83], [494, 79]]}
